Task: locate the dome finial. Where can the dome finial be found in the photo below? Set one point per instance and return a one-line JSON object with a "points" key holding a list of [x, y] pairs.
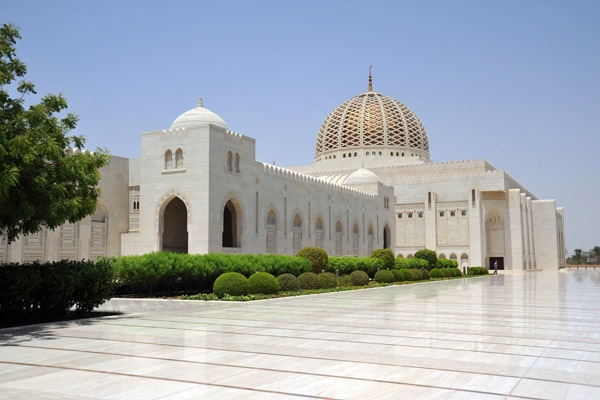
{"points": [[200, 104], [370, 80]]}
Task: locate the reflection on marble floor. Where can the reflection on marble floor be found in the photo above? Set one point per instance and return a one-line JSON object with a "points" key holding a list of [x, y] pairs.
{"points": [[532, 335]]}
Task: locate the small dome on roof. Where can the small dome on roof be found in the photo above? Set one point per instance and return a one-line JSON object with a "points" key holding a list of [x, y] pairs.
{"points": [[361, 177], [197, 116]]}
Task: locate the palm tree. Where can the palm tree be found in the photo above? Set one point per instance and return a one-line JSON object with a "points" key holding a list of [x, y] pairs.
{"points": [[577, 257], [596, 252]]}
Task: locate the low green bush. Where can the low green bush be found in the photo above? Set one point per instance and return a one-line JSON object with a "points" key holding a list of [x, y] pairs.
{"points": [[417, 274], [398, 276], [344, 281], [386, 255], [288, 282], [231, 283], [316, 256], [359, 278], [384, 276], [447, 273], [264, 283], [429, 256], [308, 280], [401, 263], [425, 274], [327, 280], [417, 263], [436, 273], [446, 263], [457, 271], [477, 271], [406, 274], [347, 265], [51, 289]]}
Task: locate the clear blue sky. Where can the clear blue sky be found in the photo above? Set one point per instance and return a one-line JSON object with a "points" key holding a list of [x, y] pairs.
{"points": [[515, 82]]}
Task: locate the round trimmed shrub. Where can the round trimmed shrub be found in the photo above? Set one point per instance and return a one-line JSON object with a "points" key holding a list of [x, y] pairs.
{"points": [[264, 283], [429, 256], [344, 281], [384, 276], [457, 271], [406, 274], [327, 280], [398, 276], [316, 256], [436, 273], [417, 275], [425, 274], [447, 273], [359, 278], [288, 282], [308, 280], [484, 271], [231, 283], [386, 255]]}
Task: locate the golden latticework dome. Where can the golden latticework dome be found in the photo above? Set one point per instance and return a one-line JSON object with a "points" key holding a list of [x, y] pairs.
{"points": [[371, 121]]}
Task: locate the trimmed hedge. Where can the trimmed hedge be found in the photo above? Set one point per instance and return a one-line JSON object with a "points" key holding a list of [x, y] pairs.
{"points": [[167, 273], [263, 283], [398, 276], [316, 256], [406, 274], [425, 274], [410, 263], [308, 280], [446, 272], [477, 271], [436, 273], [288, 282], [359, 278], [347, 265], [327, 280], [446, 263], [384, 276], [344, 281], [429, 256], [386, 255], [231, 283], [51, 289], [417, 274]]}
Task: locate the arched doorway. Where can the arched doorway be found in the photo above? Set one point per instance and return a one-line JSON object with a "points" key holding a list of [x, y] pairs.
{"points": [[386, 237], [297, 233], [232, 224], [494, 233], [464, 260], [174, 232]]}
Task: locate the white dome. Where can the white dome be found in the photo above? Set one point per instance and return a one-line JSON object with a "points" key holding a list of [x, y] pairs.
{"points": [[372, 121], [361, 177], [197, 116]]}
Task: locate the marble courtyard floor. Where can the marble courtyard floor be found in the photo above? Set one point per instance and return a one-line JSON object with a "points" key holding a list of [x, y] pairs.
{"points": [[527, 335]]}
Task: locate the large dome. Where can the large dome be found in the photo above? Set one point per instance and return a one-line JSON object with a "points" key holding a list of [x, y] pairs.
{"points": [[371, 121]]}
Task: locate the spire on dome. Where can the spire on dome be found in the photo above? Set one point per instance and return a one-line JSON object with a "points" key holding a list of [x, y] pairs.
{"points": [[200, 104], [370, 80]]}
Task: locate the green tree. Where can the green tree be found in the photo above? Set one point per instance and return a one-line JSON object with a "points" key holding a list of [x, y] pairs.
{"points": [[578, 256], [42, 182], [595, 252]]}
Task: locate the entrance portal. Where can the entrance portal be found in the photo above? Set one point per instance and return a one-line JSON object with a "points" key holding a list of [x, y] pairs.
{"points": [[500, 263], [175, 235], [230, 234], [386, 237]]}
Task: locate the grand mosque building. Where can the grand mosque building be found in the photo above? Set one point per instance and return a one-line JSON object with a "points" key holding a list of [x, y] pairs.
{"points": [[197, 187]]}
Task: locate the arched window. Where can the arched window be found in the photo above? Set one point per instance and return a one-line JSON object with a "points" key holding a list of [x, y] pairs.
{"points": [[367, 153], [168, 159], [297, 233], [229, 161], [355, 237], [236, 164], [344, 155], [355, 154], [391, 153], [442, 255], [179, 158], [453, 213], [399, 215], [442, 214], [338, 239], [271, 232], [379, 153], [319, 230], [420, 215]]}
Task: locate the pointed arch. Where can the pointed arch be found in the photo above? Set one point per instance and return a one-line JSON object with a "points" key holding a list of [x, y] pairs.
{"points": [[179, 158], [229, 161], [159, 214], [271, 221], [319, 231], [168, 159], [236, 163], [355, 239], [370, 236], [387, 236]]}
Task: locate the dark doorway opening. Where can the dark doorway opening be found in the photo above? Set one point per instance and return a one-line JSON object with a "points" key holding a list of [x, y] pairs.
{"points": [[386, 237], [500, 262], [175, 235], [229, 225]]}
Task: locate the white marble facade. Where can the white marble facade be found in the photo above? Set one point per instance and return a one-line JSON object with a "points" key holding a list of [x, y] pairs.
{"points": [[198, 188]]}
